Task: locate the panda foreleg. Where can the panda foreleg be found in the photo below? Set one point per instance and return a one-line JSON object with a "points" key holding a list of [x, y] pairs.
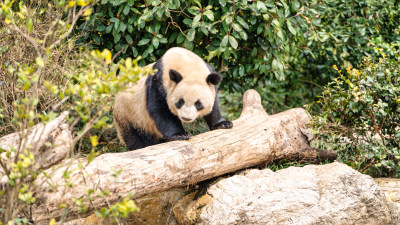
{"points": [[167, 123], [215, 120]]}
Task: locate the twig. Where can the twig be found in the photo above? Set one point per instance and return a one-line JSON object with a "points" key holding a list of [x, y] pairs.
{"points": [[50, 31], [27, 37], [369, 164], [75, 19], [233, 17], [5, 168], [88, 126], [116, 54]]}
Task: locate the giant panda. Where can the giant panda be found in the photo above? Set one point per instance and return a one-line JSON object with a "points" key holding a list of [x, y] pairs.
{"points": [[182, 89]]}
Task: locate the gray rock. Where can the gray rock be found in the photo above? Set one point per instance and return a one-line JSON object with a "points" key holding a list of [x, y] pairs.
{"points": [[327, 194]]}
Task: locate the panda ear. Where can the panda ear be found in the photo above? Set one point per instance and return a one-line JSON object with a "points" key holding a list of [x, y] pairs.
{"points": [[175, 76], [214, 78]]}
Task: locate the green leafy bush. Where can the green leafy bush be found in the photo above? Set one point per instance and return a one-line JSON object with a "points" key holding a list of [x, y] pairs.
{"points": [[249, 41], [360, 117], [347, 31], [284, 49]]}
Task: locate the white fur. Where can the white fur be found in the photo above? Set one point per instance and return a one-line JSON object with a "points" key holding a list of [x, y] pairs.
{"points": [[193, 85]]}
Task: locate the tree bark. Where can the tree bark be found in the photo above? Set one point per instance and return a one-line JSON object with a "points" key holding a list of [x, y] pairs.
{"points": [[255, 139]]}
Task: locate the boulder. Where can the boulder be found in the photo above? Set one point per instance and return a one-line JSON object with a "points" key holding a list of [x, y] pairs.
{"points": [[324, 194]]}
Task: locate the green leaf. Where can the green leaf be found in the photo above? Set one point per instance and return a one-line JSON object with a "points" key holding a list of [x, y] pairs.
{"points": [[188, 44], [242, 22], [180, 38], [128, 39], [243, 35], [209, 14], [224, 41], [280, 34], [116, 2], [270, 4], [116, 25], [39, 61], [117, 37], [29, 25], [96, 39], [122, 27], [155, 42], [259, 29], [233, 42], [163, 40], [261, 6], [196, 20], [126, 9], [173, 36], [198, 3], [160, 11], [177, 3], [291, 29], [109, 28], [295, 5], [144, 41], [131, 2], [266, 17], [204, 30], [130, 28], [191, 34], [237, 27]]}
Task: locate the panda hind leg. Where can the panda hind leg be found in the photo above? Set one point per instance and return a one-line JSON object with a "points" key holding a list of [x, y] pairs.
{"points": [[135, 138]]}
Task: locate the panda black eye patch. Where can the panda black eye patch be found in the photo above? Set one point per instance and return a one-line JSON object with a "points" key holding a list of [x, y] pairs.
{"points": [[179, 103], [198, 105]]}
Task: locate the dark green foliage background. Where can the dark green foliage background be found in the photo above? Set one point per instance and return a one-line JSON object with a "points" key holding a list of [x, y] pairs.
{"points": [[285, 49], [251, 43], [350, 30]]}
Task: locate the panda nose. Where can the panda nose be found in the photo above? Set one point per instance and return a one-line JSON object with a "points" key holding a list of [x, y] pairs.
{"points": [[186, 119]]}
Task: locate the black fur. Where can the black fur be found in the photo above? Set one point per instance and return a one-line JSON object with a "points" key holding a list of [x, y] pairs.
{"points": [[179, 103], [135, 138], [175, 76], [214, 119], [199, 106], [214, 78]]}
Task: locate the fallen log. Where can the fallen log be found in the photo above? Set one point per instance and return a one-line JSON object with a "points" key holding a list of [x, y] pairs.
{"points": [[37, 140], [255, 139]]}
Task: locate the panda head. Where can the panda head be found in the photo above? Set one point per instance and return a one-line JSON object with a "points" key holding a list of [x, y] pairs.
{"points": [[189, 83]]}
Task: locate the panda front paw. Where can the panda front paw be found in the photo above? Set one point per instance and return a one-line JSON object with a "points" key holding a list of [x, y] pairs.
{"points": [[177, 137], [222, 125]]}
